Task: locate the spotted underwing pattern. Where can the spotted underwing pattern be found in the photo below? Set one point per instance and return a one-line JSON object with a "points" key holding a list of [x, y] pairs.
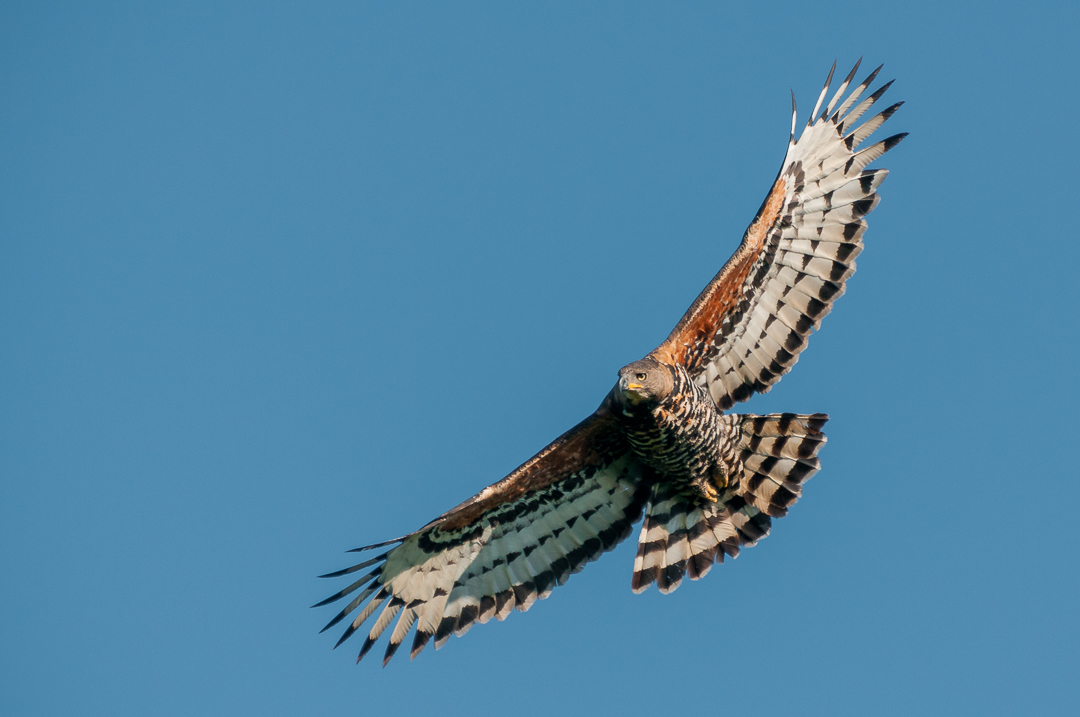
{"points": [[708, 483]]}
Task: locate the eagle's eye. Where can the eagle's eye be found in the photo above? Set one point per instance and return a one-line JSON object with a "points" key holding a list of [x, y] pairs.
{"points": [[641, 377]]}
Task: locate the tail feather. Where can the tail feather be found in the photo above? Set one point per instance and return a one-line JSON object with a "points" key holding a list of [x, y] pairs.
{"points": [[674, 558], [683, 536], [704, 544], [653, 540]]}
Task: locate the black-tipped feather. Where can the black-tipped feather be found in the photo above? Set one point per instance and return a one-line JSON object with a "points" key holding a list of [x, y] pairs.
{"points": [[354, 568], [355, 586], [349, 608], [378, 545]]}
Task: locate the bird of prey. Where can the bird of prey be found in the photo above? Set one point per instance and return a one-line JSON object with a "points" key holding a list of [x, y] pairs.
{"points": [[709, 483]]}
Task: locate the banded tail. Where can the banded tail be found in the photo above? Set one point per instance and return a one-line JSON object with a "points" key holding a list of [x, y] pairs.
{"points": [[682, 535]]}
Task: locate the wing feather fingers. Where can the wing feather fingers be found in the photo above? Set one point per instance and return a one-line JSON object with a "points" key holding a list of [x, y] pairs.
{"points": [[795, 257], [506, 547]]}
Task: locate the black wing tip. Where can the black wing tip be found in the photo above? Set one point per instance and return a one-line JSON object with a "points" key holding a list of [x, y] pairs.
{"points": [[335, 621], [378, 545], [358, 566], [890, 142], [825, 91], [851, 73], [420, 640], [338, 595], [880, 91], [365, 648], [391, 649], [870, 78], [828, 80], [345, 636]]}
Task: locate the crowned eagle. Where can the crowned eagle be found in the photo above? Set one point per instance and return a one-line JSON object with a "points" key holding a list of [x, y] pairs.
{"points": [[709, 483]]}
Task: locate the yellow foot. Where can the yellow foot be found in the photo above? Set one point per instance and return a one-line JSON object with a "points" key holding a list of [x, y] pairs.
{"points": [[706, 490]]}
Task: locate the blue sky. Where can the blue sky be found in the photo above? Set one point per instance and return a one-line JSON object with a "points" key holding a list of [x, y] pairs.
{"points": [[278, 280]]}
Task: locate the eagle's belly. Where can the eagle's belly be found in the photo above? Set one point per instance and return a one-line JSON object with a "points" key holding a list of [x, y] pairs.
{"points": [[685, 439]]}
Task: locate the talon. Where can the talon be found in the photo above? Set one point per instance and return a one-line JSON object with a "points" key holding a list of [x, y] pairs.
{"points": [[706, 490]]}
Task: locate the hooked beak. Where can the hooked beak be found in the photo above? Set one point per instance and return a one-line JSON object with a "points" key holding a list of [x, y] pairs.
{"points": [[630, 389]]}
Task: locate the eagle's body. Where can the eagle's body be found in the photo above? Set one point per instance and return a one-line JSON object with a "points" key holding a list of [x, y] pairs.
{"points": [[708, 483], [680, 435]]}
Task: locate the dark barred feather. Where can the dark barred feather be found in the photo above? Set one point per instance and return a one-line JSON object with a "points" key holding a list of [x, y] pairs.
{"points": [[684, 535], [444, 578], [748, 327]]}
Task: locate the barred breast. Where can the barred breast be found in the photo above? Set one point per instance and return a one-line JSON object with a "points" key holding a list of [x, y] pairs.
{"points": [[685, 439]]}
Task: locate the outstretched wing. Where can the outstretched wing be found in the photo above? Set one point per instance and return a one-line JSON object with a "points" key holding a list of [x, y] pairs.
{"points": [[506, 547], [747, 328]]}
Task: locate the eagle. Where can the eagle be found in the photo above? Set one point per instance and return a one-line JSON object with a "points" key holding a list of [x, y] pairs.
{"points": [[709, 483]]}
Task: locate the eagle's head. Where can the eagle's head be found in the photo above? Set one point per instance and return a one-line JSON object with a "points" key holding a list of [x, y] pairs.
{"points": [[644, 382]]}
